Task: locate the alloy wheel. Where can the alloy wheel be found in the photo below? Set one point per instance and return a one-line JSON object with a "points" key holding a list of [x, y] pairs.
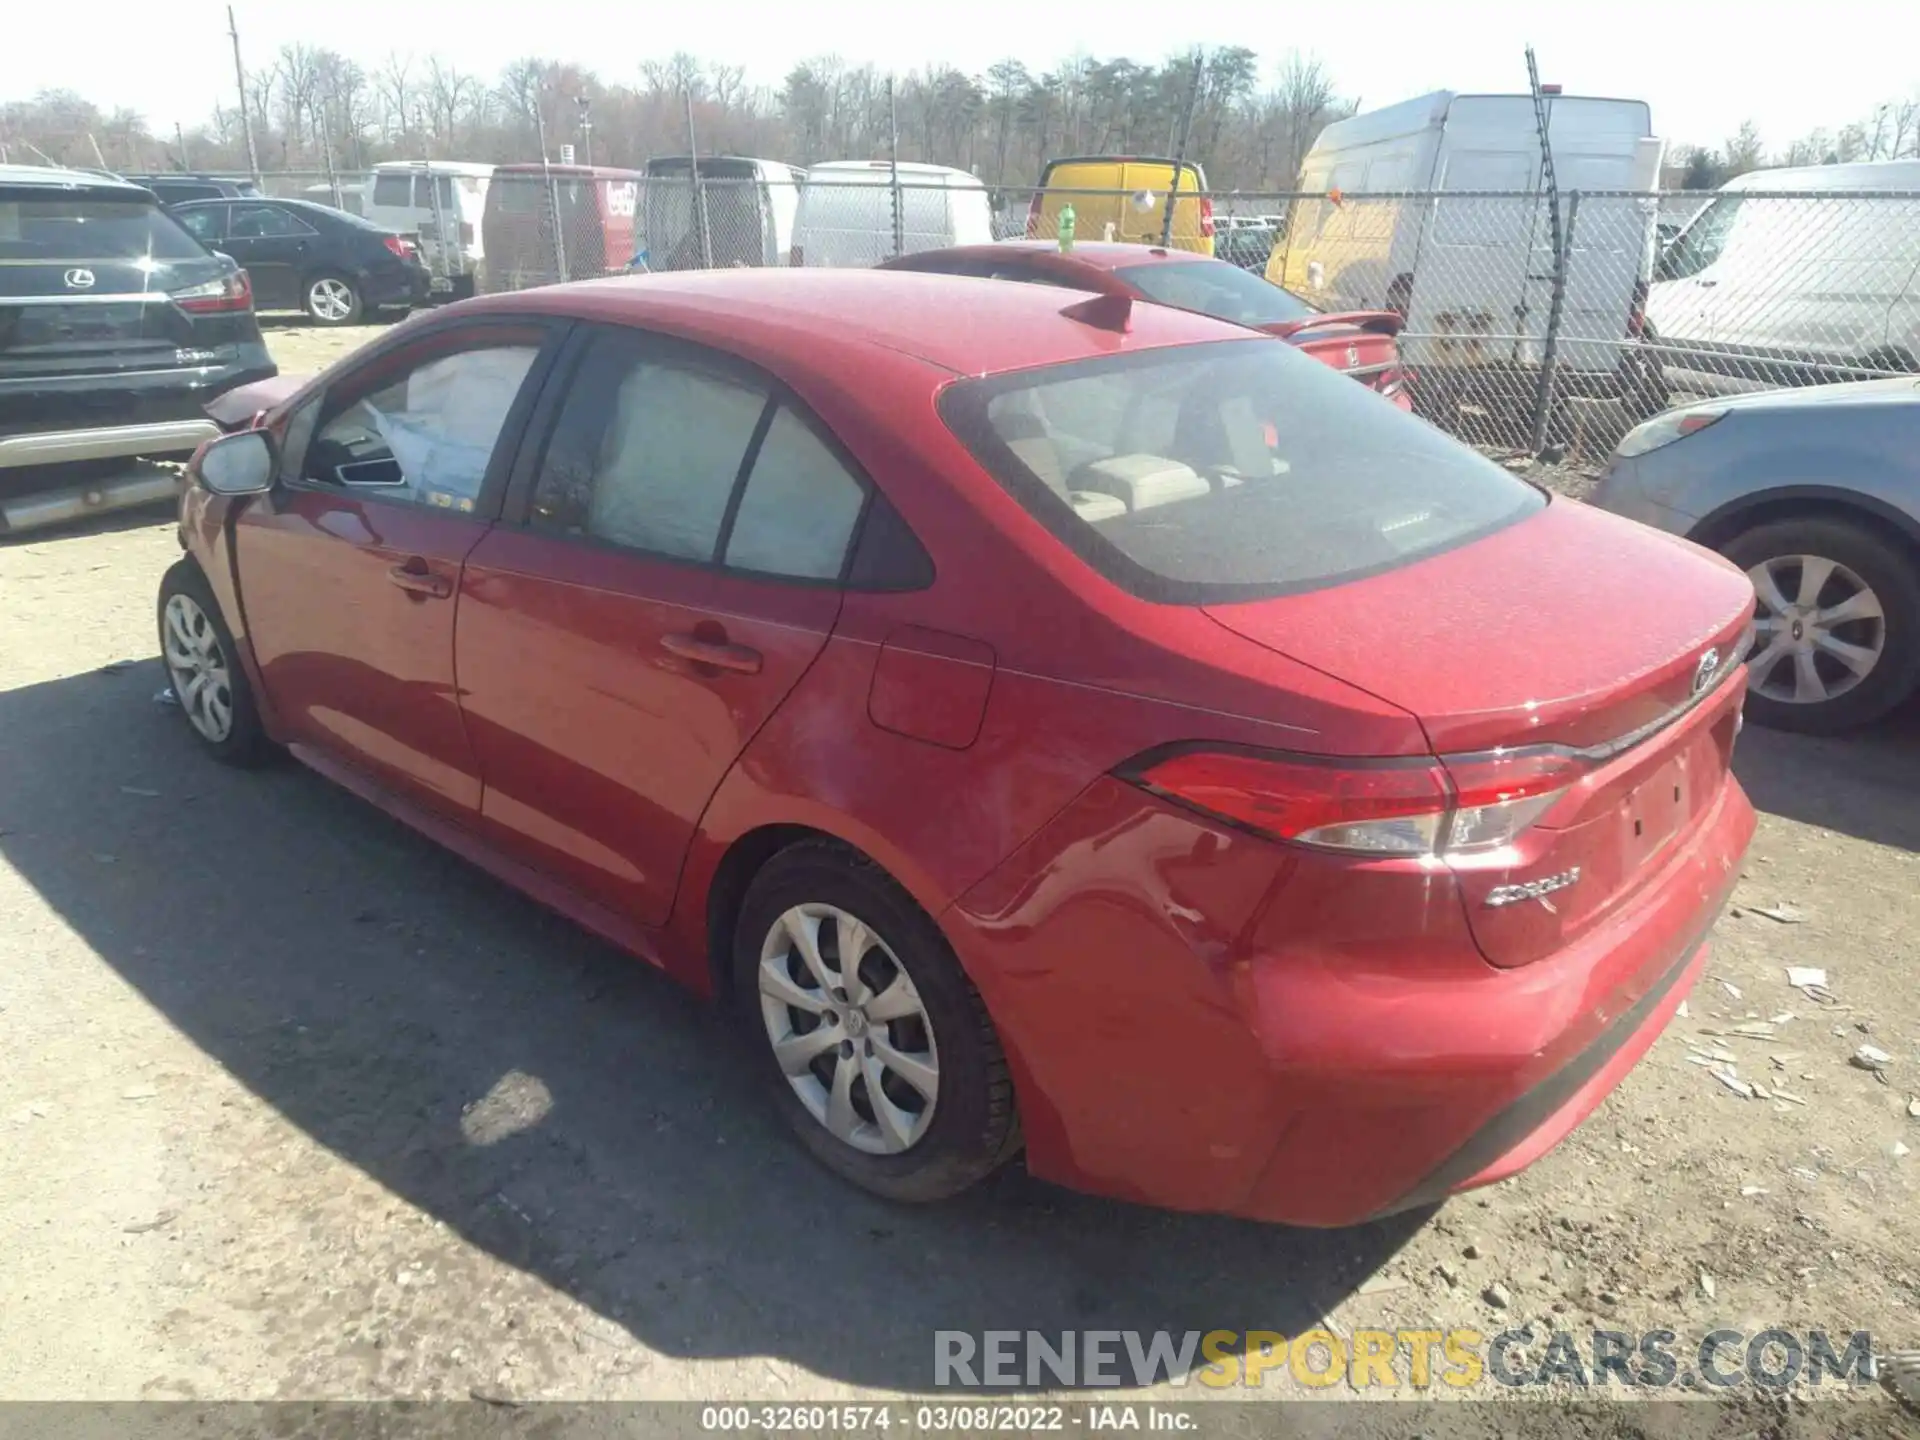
{"points": [[848, 1028], [197, 664], [330, 299], [1819, 630]]}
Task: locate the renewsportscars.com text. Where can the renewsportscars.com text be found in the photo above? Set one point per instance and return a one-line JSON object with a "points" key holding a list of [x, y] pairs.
{"points": [[1456, 1359]]}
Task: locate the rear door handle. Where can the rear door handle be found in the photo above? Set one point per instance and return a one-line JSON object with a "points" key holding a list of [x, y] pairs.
{"points": [[718, 653], [416, 579]]}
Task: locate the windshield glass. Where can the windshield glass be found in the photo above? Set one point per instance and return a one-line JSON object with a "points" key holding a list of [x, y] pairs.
{"points": [[66, 228], [1215, 288], [1197, 474]]}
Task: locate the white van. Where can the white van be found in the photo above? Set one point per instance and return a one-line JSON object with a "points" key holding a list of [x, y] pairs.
{"points": [[1794, 277], [347, 195], [749, 207], [1473, 274], [441, 203], [847, 214]]}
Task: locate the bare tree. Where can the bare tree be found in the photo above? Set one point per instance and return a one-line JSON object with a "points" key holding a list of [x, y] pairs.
{"points": [[1744, 151]]}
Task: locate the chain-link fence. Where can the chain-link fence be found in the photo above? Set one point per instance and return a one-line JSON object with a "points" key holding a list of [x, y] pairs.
{"points": [[1526, 325]]}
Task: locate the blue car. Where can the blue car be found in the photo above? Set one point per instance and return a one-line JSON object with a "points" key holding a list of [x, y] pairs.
{"points": [[1815, 493]]}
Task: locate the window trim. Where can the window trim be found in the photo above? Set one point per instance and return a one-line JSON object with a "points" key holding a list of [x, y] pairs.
{"points": [[544, 422], [387, 357]]}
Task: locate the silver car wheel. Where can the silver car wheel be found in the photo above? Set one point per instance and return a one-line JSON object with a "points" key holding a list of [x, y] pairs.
{"points": [[198, 667], [330, 299], [1819, 632], [849, 1029]]}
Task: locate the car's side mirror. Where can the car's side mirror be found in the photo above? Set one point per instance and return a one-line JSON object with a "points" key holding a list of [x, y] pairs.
{"points": [[241, 464]]}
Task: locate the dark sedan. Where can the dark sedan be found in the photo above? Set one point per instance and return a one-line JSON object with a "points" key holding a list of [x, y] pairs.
{"points": [[336, 267], [1815, 493]]}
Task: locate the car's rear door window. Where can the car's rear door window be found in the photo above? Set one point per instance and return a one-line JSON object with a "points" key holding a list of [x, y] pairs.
{"points": [[1233, 470], [671, 450]]}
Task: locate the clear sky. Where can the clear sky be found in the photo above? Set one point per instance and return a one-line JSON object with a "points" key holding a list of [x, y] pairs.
{"points": [[1704, 65]]}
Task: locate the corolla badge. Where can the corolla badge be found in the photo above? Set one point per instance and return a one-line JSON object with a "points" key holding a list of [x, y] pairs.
{"points": [[1353, 356], [1704, 672], [79, 279], [1532, 889]]}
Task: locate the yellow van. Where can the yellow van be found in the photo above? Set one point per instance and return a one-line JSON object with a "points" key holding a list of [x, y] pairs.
{"points": [[1131, 203]]}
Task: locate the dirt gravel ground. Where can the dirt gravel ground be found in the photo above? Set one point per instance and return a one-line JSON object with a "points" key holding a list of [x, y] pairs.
{"points": [[296, 1106]]}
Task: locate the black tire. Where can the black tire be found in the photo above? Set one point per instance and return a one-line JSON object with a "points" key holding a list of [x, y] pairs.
{"points": [[323, 314], [244, 742], [973, 1128], [1890, 572]]}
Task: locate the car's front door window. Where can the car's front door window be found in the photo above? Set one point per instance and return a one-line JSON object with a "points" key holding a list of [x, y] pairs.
{"points": [[203, 224], [425, 434]]}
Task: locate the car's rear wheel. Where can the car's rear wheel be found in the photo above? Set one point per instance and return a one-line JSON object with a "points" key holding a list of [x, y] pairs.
{"points": [[1837, 621], [204, 669], [877, 1048], [332, 300]]}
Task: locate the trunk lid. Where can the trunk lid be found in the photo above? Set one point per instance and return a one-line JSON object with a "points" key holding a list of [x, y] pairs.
{"points": [[1572, 629]]}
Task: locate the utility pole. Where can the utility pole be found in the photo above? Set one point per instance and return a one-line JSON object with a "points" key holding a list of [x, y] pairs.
{"points": [[1180, 147], [180, 139], [586, 128], [246, 114]]}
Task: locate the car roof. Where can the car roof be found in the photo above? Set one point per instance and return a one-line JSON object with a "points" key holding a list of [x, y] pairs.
{"points": [[71, 181], [959, 324], [1099, 254]]}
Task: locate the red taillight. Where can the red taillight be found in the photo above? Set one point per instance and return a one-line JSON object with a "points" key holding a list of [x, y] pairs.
{"points": [[1206, 217], [1456, 805], [398, 245], [217, 297], [1033, 216]]}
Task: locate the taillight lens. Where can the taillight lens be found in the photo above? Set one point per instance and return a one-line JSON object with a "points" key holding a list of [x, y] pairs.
{"points": [[1206, 217], [229, 293], [399, 245], [1454, 806]]}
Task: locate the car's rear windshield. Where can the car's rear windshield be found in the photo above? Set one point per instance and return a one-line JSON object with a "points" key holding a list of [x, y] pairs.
{"points": [[1231, 470], [69, 228], [1216, 288]]}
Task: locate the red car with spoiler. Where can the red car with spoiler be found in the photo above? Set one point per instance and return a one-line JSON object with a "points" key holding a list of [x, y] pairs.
{"points": [[1361, 343]]}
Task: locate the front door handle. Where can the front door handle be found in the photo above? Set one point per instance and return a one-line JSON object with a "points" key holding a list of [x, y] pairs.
{"points": [[416, 579], [718, 653]]}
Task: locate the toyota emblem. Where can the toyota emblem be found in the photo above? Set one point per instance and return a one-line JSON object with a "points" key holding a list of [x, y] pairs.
{"points": [[79, 279], [1353, 356], [1704, 672]]}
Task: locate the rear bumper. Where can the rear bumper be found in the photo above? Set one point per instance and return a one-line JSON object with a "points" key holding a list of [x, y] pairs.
{"points": [[65, 502], [1238, 1034], [108, 442], [33, 408]]}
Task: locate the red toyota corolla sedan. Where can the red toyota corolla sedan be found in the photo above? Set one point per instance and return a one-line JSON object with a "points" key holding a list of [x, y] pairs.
{"points": [[1360, 343], [1049, 721]]}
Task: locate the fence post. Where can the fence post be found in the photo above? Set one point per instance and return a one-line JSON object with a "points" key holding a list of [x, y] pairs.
{"points": [[699, 196], [893, 172], [1550, 355]]}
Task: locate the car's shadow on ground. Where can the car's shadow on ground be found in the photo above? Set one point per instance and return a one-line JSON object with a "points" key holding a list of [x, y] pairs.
{"points": [[1865, 784], [551, 1100]]}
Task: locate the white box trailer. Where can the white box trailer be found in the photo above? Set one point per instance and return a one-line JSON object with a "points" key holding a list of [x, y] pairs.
{"points": [[1435, 207]]}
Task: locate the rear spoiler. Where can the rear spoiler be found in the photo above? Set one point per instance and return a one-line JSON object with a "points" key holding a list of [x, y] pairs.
{"points": [[1377, 322]]}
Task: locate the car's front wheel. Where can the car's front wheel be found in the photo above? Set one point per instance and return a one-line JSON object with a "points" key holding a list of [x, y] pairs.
{"points": [[332, 300], [204, 669], [1837, 623], [877, 1048]]}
